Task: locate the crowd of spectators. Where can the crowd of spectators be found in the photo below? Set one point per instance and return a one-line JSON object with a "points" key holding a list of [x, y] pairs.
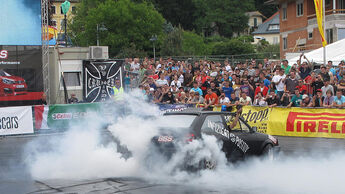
{"points": [[253, 82]]}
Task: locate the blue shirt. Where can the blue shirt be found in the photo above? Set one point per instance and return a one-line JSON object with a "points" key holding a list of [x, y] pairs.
{"points": [[197, 90], [267, 82], [228, 91], [339, 101]]}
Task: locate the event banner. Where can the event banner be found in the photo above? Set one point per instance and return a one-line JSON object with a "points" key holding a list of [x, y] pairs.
{"points": [[307, 122], [63, 116], [99, 79], [257, 116], [21, 81], [16, 120]]}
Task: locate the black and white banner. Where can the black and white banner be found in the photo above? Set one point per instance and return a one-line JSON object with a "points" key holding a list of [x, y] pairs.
{"points": [[16, 120], [99, 79]]}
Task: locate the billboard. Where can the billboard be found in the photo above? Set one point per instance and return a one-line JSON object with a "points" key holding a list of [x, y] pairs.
{"points": [[21, 22], [21, 81], [99, 79]]}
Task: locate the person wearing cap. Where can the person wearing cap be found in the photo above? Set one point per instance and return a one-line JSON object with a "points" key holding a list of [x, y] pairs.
{"points": [[339, 100], [317, 100], [306, 101], [296, 99]]}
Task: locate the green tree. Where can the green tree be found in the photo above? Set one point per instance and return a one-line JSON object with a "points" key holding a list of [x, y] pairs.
{"points": [[232, 47], [265, 9], [172, 43], [224, 17], [193, 44], [127, 25]]}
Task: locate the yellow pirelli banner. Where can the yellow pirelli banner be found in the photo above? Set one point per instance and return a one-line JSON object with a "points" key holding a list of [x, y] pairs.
{"points": [[298, 122], [307, 122]]}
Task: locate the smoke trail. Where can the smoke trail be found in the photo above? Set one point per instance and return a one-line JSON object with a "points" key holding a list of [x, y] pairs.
{"points": [[82, 153]]}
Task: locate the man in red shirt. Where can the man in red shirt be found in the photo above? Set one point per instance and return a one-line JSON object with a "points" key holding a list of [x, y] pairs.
{"points": [[211, 98], [301, 87], [261, 88]]}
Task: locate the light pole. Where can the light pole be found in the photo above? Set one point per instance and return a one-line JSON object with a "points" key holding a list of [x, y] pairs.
{"points": [[153, 39], [65, 7], [100, 28]]}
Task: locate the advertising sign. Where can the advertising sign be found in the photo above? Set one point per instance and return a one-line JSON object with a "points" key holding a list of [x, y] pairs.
{"points": [[16, 120], [63, 115], [20, 22], [99, 79], [174, 107], [21, 81], [308, 122], [257, 117]]}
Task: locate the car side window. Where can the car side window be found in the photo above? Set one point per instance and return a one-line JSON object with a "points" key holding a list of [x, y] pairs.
{"points": [[229, 119], [211, 122]]}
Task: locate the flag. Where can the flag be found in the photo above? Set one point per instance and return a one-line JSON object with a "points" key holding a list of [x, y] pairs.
{"points": [[319, 16]]}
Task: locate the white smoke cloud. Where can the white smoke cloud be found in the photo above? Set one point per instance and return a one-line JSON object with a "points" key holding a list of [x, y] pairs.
{"points": [[82, 154]]}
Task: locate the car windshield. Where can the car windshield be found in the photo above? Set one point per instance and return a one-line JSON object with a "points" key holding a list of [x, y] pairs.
{"points": [[176, 121], [2, 73]]}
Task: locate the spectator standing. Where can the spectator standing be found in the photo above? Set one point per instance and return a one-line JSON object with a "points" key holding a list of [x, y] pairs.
{"points": [[306, 101], [279, 80], [339, 100], [317, 100], [301, 87], [176, 82], [272, 99], [245, 100], [317, 84], [261, 88], [161, 81], [291, 83], [324, 74], [296, 99], [246, 87], [304, 69], [196, 88], [286, 67], [211, 98], [214, 88], [341, 85], [285, 99], [260, 100], [227, 89], [327, 87], [168, 98], [328, 100]]}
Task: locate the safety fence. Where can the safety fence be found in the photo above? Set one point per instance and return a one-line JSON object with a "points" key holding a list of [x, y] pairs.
{"points": [[300, 122]]}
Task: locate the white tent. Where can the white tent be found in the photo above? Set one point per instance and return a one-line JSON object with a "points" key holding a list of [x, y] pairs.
{"points": [[334, 52]]}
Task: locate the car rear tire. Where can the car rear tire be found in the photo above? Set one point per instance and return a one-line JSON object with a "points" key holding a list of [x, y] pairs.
{"points": [[268, 152]]}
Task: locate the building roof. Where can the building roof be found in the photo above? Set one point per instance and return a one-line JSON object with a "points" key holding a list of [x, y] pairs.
{"points": [[264, 27], [255, 13]]}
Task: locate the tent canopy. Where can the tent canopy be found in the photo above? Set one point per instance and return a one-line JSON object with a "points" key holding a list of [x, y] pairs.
{"points": [[334, 52]]}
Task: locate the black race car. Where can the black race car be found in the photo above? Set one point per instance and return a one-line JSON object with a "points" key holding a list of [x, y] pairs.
{"points": [[239, 140]]}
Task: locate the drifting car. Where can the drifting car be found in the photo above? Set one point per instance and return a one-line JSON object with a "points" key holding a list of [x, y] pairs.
{"points": [[239, 139], [11, 85]]}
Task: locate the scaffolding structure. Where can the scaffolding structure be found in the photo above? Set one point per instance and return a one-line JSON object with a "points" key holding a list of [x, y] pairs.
{"points": [[45, 47]]}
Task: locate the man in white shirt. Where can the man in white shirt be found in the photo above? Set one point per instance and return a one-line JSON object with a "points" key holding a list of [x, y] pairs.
{"points": [[245, 100], [279, 81]]}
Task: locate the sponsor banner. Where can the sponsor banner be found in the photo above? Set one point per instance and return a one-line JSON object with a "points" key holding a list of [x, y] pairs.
{"points": [[21, 81], [16, 120], [99, 79], [307, 122], [257, 117], [63, 115], [174, 107]]}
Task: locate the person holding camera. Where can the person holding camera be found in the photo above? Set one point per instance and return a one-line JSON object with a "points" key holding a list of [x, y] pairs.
{"points": [[285, 99], [260, 100], [272, 99]]}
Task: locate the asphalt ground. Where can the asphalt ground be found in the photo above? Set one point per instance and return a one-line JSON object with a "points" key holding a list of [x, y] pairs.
{"points": [[15, 178]]}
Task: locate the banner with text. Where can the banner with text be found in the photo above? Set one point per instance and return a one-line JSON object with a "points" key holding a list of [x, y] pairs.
{"points": [[174, 107], [307, 122], [16, 120], [62, 116], [257, 117]]}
